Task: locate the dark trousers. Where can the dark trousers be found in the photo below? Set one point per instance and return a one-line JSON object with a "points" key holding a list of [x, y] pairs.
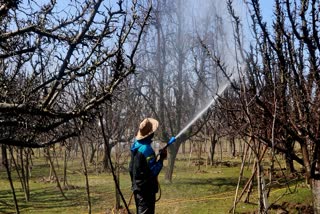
{"points": [[145, 202]]}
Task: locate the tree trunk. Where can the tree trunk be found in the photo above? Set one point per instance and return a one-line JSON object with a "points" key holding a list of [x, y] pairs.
{"points": [[17, 168], [199, 154], [27, 172], [213, 143], [315, 185], [115, 178], [232, 147], [172, 150], [249, 191], [233, 209], [289, 161], [65, 182], [306, 161], [24, 175], [221, 151], [55, 173], [180, 52], [107, 153], [6, 165], [117, 191], [160, 58], [92, 153], [85, 171]]}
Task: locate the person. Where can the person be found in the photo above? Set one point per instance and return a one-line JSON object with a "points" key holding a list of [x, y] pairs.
{"points": [[144, 167]]}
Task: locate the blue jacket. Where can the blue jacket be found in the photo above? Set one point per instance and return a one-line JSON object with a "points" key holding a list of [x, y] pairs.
{"points": [[144, 167]]}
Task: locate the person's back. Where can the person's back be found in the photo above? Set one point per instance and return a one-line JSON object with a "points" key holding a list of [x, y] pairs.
{"points": [[144, 167]]}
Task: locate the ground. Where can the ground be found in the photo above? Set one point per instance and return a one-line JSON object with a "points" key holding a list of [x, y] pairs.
{"points": [[196, 188]]}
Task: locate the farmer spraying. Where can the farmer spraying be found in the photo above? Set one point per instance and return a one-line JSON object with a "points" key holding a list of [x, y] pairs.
{"points": [[144, 167]]}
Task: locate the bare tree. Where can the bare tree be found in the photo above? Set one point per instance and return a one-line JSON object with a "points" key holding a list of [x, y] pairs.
{"points": [[279, 98], [5, 163], [52, 59]]}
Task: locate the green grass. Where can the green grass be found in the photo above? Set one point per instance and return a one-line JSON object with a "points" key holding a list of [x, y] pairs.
{"points": [[208, 190]]}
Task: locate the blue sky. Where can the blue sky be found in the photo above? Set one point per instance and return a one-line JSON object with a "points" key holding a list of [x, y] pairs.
{"points": [[267, 10]]}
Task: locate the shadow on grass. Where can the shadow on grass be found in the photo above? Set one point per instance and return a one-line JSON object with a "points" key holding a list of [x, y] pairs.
{"points": [[47, 200], [209, 185], [210, 181]]}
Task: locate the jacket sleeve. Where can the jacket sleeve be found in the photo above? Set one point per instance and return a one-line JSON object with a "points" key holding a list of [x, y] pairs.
{"points": [[154, 165]]}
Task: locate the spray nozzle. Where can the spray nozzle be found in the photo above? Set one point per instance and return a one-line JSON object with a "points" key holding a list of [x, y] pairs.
{"points": [[172, 140]]}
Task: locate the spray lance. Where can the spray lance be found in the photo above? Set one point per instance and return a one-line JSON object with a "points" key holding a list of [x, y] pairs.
{"points": [[171, 141]]}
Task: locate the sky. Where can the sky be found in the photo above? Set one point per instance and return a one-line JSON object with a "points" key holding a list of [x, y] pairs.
{"points": [[267, 7]]}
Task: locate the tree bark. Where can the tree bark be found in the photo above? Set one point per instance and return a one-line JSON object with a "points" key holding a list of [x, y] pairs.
{"points": [[233, 209], [232, 147], [17, 168], [179, 92], [92, 152], [117, 168], [107, 154], [55, 173], [115, 179], [315, 184], [65, 182], [24, 175], [306, 161], [27, 172], [289, 161], [6, 165], [85, 171], [172, 150], [213, 143]]}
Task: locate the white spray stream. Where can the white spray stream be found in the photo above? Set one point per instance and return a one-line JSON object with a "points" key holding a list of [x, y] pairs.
{"points": [[220, 91]]}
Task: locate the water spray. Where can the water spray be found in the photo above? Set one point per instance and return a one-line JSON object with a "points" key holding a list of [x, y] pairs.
{"points": [[220, 91], [203, 110]]}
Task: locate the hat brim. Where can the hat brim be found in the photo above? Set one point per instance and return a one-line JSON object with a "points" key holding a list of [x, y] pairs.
{"points": [[155, 125]]}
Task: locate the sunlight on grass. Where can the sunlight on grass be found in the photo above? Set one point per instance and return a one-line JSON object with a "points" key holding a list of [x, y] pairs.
{"points": [[209, 189]]}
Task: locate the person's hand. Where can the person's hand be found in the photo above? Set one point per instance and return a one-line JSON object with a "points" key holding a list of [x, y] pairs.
{"points": [[163, 154]]}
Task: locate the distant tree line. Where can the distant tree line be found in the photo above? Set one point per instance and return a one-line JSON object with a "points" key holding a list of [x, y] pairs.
{"points": [[96, 70]]}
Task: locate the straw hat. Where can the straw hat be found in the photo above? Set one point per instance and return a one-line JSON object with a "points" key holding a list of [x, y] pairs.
{"points": [[146, 128]]}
